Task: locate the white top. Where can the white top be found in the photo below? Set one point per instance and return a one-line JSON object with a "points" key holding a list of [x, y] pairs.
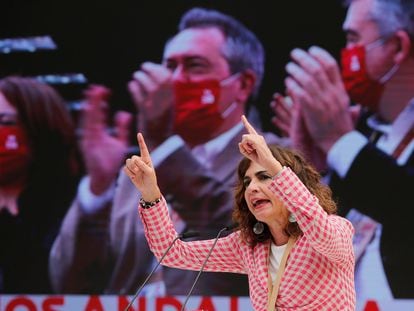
{"points": [[276, 254]]}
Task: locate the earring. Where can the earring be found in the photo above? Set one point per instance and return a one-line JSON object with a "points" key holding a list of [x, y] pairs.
{"points": [[292, 218], [258, 228]]}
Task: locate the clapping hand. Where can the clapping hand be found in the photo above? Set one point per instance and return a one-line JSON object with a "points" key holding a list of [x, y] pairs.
{"points": [[316, 86], [103, 153], [152, 92], [283, 109], [142, 173]]}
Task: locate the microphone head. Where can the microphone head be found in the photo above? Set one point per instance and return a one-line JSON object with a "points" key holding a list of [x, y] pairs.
{"points": [[189, 234], [232, 226]]}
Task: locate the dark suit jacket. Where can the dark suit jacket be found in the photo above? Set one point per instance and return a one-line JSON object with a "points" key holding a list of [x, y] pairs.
{"points": [[378, 187], [26, 238]]}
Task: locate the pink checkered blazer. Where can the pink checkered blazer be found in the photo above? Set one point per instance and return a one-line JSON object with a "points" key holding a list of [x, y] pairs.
{"points": [[319, 272]]}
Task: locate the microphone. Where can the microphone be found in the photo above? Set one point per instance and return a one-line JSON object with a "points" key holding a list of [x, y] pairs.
{"points": [[227, 228], [185, 235]]}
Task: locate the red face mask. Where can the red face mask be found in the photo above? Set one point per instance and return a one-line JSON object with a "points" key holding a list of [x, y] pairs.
{"points": [[14, 156], [360, 87], [197, 113]]}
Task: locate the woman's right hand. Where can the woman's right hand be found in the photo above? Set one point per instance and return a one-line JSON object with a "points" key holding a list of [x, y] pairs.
{"points": [[142, 173], [254, 147]]}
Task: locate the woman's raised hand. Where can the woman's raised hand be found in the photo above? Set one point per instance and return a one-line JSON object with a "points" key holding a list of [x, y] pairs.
{"points": [[142, 173], [254, 147]]}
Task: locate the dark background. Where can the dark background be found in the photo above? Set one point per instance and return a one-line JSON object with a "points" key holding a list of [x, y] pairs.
{"points": [[108, 40]]}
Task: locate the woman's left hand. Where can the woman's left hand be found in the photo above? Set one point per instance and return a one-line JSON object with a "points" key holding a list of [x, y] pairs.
{"points": [[254, 147]]}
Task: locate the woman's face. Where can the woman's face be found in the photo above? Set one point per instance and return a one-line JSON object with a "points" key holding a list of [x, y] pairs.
{"points": [[260, 200]]}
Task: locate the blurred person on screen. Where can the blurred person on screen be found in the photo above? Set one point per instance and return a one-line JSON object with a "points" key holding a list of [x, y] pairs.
{"points": [[39, 171], [189, 109], [369, 159]]}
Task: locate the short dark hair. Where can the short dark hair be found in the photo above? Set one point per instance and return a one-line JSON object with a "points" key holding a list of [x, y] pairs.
{"points": [[243, 50], [392, 15]]}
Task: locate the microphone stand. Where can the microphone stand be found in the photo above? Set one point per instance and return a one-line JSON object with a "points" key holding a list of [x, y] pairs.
{"points": [[185, 235], [205, 262]]}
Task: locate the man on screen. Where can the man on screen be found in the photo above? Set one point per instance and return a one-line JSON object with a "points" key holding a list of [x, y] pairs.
{"points": [[189, 109], [371, 164]]}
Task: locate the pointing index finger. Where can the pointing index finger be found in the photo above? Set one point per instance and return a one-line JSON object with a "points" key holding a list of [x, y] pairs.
{"points": [[143, 148], [248, 126]]}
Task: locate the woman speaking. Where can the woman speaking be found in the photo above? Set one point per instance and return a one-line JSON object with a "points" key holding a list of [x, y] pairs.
{"points": [[296, 252]]}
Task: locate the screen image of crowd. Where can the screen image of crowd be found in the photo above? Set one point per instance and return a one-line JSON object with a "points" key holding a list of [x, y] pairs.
{"points": [[335, 88]]}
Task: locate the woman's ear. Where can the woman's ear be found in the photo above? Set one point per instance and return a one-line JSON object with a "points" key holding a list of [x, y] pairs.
{"points": [[404, 49]]}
